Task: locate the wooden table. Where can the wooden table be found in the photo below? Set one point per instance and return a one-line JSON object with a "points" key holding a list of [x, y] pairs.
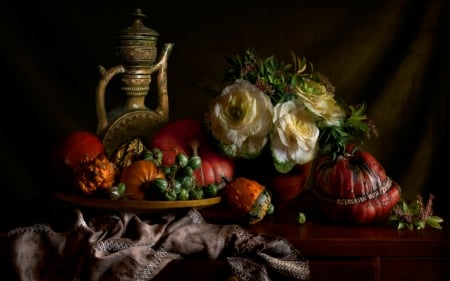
{"points": [[375, 251], [338, 251], [369, 252]]}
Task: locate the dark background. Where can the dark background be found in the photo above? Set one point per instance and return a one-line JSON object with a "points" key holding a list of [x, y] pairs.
{"points": [[391, 54]]}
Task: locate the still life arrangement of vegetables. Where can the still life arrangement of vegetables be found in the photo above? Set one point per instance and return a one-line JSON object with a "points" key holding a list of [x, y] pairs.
{"points": [[176, 164], [176, 169], [286, 112]]}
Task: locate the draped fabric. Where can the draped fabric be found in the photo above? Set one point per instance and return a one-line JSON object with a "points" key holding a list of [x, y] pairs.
{"points": [[393, 55], [125, 247]]}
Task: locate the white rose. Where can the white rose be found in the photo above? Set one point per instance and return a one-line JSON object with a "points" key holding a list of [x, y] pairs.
{"points": [[240, 119], [295, 135], [321, 102]]}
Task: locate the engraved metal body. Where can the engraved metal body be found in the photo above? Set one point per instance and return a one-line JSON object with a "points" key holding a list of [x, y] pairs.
{"points": [[137, 49]]}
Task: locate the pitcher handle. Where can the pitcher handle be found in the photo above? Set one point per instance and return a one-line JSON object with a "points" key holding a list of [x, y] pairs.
{"points": [[106, 76], [162, 108]]}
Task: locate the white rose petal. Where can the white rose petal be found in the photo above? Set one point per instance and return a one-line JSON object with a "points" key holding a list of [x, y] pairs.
{"points": [[322, 103], [241, 117], [295, 135]]}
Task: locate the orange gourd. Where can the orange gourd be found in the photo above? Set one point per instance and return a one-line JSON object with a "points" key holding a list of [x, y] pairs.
{"points": [[137, 178], [94, 173], [248, 199]]}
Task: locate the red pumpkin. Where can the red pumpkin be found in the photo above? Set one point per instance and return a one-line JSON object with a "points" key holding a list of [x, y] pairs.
{"points": [[75, 146], [189, 136], [354, 187], [69, 151], [284, 187]]}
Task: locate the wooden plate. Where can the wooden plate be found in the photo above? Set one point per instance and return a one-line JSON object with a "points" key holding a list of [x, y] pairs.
{"points": [[138, 206]]}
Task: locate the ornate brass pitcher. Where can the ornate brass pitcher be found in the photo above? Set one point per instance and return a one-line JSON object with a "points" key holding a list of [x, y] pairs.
{"points": [[136, 47]]}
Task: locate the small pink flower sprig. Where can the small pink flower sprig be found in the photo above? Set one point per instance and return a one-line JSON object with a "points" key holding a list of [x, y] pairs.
{"points": [[415, 215]]}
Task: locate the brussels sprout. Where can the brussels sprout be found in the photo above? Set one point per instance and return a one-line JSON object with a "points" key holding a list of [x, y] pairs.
{"points": [[182, 160], [160, 184], [196, 194], [211, 190], [183, 195], [187, 182], [195, 162], [170, 195]]}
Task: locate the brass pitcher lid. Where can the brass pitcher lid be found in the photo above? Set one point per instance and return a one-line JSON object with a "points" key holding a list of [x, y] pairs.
{"points": [[137, 30]]}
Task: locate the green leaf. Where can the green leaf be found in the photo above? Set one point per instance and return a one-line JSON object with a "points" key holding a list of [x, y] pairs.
{"points": [[420, 225], [404, 206], [284, 167], [434, 221], [414, 215], [393, 218]]}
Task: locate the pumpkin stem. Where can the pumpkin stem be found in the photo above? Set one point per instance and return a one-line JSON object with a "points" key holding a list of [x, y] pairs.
{"points": [[194, 144]]}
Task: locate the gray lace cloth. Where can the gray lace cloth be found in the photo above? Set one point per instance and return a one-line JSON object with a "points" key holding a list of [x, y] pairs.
{"points": [[126, 247]]}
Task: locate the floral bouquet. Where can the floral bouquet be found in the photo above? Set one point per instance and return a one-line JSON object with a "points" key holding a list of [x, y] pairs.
{"points": [[288, 113], [288, 108]]}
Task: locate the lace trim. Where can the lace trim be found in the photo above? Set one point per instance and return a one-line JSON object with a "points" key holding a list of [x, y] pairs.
{"points": [[152, 266], [248, 270], [34, 228], [110, 246], [196, 217], [296, 269], [383, 188]]}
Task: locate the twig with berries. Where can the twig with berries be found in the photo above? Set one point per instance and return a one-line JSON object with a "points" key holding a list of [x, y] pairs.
{"points": [[415, 215]]}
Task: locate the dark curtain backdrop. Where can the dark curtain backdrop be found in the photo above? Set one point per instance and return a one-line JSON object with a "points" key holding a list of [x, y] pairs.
{"points": [[391, 54]]}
